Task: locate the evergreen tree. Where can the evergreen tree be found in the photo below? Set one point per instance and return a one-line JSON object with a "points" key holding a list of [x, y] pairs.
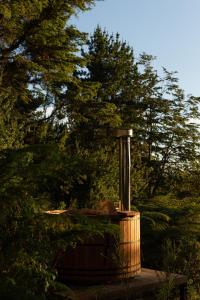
{"points": [[38, 56], [130, 93], [110, 64], [111, 71]]}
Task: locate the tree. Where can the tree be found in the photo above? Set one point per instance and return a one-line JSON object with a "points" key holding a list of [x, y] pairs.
{"points": [[130, 93], [110, 69], [110, 64], [169, 139], [38, 56]]}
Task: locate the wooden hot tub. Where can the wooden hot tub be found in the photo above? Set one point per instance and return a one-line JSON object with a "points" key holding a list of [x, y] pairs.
{"points": [[104, 258]]}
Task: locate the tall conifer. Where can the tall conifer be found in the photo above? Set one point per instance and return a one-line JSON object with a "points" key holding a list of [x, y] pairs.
{"points": [[130, 93], [38, 56]]}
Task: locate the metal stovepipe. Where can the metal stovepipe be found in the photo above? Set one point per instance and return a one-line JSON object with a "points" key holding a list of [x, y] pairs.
{"points": [[124, 167]]}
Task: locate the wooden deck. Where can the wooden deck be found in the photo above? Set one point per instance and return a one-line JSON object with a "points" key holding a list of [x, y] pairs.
{"points": [[138, 288]]}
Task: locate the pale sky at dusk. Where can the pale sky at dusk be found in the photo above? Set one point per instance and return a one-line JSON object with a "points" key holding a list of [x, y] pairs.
{"points": [[167, 29]]}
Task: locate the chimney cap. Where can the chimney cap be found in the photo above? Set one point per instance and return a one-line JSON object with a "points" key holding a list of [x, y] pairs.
{"points": [[121, 132]]}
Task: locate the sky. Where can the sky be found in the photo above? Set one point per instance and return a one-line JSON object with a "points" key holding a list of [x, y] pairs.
{"points": [[167, 29]]}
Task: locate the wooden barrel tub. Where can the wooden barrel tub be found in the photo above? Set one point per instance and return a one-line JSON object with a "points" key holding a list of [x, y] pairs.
{"points": [[103, 258]]}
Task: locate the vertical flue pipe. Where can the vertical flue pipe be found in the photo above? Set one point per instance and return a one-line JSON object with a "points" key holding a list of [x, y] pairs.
{"points": [[124, 167]]}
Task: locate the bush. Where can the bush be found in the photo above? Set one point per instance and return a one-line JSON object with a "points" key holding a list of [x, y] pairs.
{"points": [[170, 234]]}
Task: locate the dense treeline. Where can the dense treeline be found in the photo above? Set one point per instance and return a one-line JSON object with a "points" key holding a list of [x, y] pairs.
{"points": [[60, 92]]}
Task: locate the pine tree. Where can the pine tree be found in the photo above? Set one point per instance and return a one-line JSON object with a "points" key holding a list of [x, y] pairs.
{"points": [[130, 93], [38, 56], [111, 72], [110, 64]]}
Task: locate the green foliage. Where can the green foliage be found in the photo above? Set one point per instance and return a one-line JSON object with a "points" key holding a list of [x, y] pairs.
{"points": [[185, 182], [98, 181], [29, 243], [38, 56], [48, 176], [34, 179], [171, 236], [181, 257], [56, 105], [131, 94]]}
